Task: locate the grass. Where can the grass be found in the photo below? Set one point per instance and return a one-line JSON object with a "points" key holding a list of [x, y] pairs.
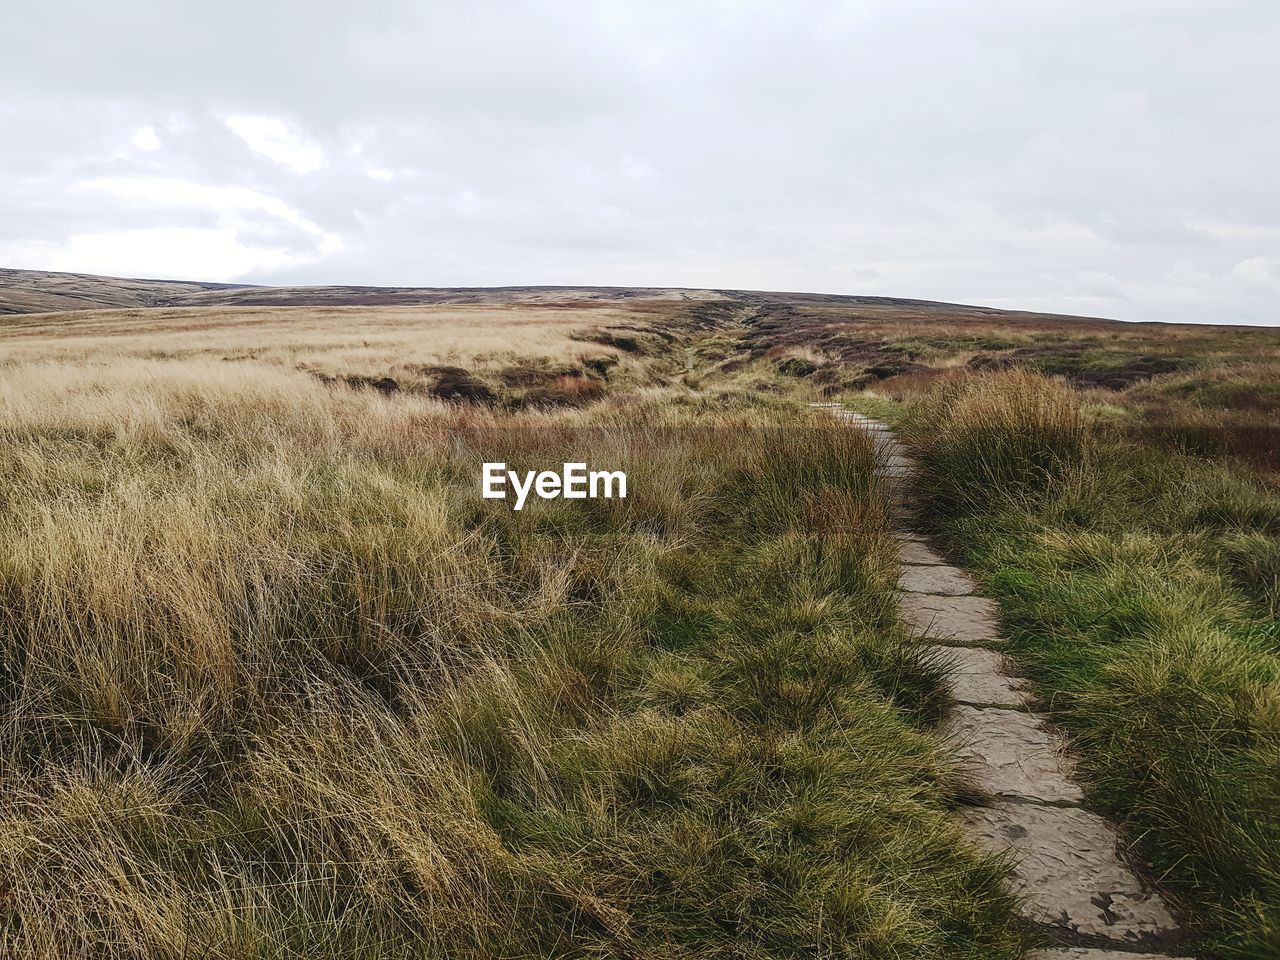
{"points": [[1140, 588], [276, 682], [476, 353]]}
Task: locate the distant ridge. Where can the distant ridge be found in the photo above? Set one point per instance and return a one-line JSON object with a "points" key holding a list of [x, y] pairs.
{"points": [[38, 291]]}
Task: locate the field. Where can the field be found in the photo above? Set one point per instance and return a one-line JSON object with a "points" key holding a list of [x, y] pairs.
{"points": [[276, 682]]}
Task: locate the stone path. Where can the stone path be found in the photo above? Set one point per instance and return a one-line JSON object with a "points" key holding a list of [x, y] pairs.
{"points": [[1067, 871]]}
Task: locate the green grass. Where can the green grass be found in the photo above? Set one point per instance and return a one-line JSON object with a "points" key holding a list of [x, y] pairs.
{"points": [[277, 683], [1139, 589]]}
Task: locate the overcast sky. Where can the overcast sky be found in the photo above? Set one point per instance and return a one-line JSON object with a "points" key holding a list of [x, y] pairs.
{"points": [[1107, 157]]}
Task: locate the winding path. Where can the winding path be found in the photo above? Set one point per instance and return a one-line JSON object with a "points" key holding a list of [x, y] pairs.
{"points": [[1068, 873]]}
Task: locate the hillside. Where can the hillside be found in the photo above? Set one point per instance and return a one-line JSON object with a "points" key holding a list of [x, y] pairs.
{"points": [[36, 291]]}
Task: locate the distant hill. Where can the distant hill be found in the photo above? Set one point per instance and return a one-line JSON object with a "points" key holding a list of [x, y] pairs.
{"points": [[37, 291]]}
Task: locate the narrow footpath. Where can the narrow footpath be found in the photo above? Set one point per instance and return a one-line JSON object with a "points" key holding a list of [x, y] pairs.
{"points": [[1068, 873]]}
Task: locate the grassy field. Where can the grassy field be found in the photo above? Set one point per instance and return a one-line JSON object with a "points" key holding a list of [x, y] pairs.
{"points": [[276, 682]]}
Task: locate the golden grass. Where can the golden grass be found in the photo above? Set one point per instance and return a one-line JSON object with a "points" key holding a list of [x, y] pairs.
{"points": [[276, 682], [356, 338]]}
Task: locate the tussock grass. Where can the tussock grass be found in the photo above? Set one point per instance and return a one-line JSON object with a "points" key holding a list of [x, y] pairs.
{"points": [[276, 682], [1139, 587], [1015, 427]]}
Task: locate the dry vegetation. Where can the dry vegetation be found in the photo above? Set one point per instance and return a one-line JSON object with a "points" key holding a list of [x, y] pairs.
{"points": [[276, 682]]}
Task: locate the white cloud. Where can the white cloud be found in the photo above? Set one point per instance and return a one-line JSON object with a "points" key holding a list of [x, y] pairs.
{"points": [[146, 139], [1259, 271], [168, 252], [247, 232], [272, 138], [221, 201]]}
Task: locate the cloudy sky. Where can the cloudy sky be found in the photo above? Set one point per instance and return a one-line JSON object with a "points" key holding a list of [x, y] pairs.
{"points": [[1107, 157]]}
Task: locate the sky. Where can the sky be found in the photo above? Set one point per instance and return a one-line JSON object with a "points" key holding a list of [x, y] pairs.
{"points": [[1116, 158]]}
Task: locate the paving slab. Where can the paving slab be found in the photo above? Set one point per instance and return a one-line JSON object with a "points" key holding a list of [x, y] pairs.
{"points": [[940, 579], [909, 536], [916, 554], [961, 620], [1085, 953], [1068, 873], [977, 677], [1012, 754]]}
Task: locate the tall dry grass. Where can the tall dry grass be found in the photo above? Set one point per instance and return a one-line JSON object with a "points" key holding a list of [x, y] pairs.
{"points": [[1013, 429], [276, 682]]}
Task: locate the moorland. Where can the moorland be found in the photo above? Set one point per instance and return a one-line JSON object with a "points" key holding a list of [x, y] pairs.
{"points": [[276, 681]]}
